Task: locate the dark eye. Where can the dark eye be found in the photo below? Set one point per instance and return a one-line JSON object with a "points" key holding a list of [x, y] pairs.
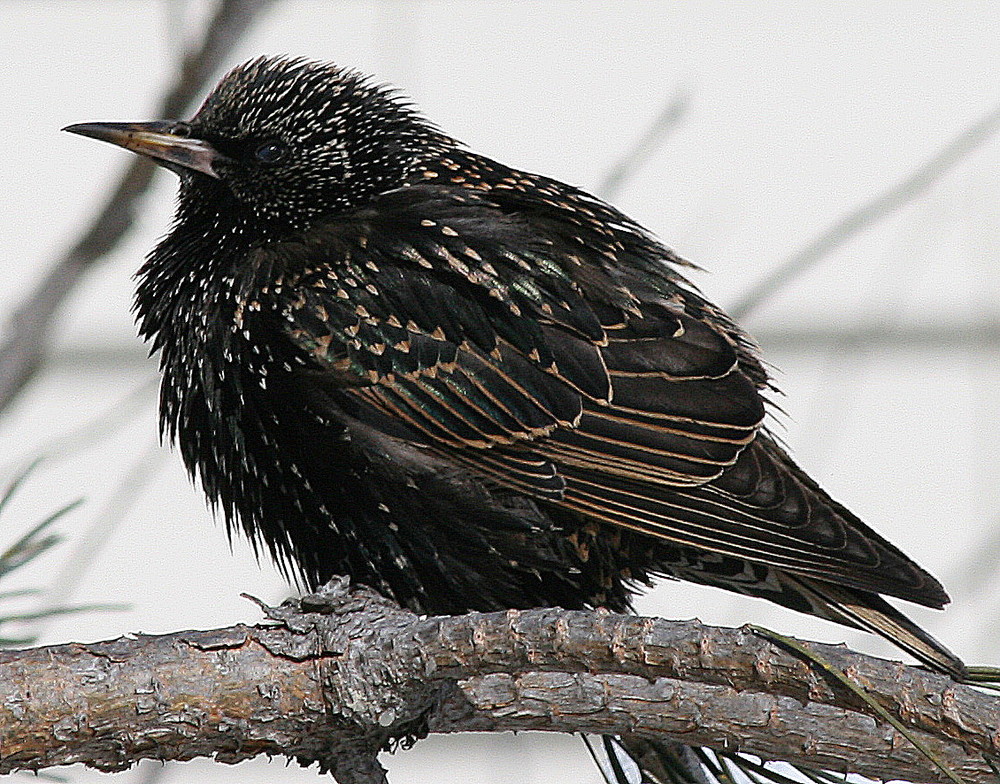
{"points": [[270, 152]]}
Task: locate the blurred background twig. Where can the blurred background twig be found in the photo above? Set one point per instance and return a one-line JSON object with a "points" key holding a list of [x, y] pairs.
{"points": [[25, 334]]}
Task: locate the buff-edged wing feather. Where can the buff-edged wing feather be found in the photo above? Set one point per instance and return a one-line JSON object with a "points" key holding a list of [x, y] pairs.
{"points": [[545, 370]]}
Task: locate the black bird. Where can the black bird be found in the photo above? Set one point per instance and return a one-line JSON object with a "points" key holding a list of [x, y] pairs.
{"points": [[467, 386]]}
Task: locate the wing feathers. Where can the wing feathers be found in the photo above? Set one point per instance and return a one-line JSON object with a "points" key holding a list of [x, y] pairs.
{"points": [[726, 401], [671, 345], [566, 360], [793, 526]]}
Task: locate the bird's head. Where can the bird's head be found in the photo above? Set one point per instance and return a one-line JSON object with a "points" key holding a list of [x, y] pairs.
{"points": [[288, 139]]}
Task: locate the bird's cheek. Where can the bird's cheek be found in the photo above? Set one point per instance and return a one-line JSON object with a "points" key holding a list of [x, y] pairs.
{"points": [[248, 188]]}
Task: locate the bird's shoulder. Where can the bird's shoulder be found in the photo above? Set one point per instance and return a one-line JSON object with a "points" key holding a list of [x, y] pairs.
{"points": [[493, 257], [482, 315]]}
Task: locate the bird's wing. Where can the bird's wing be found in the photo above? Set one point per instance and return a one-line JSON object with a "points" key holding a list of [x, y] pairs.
{"points": [[536, 367]]}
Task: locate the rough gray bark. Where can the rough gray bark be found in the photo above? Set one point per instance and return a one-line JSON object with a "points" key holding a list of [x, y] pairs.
{"points": [[338, 676]]}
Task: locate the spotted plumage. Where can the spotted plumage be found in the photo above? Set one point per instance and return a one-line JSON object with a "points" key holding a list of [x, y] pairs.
{"points": [[470, 387]]}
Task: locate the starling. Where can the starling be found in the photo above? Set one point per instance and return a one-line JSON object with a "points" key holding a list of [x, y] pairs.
{"points": [[467, 386]]}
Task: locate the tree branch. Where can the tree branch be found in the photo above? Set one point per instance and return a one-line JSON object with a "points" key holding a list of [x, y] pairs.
{"points": [[26, 333], [344, 673]]}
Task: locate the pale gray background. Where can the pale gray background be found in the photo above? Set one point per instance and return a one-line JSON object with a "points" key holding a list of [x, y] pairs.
{"points": [[799, 112]]}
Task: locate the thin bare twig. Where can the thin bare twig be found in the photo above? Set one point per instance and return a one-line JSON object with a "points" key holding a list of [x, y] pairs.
{"points": [[89, 543], [89, 434], [26, 333], [620, 172], [868, 214]]}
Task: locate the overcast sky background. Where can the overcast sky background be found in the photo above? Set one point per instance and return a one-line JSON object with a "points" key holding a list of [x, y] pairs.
{"points": [[798, 113]]}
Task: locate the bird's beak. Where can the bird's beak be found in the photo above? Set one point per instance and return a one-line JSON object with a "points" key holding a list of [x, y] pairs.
{"points": [[159, 140]]}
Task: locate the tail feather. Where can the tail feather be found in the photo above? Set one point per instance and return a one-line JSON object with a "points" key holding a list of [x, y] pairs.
{"points": [[869, 611], [844, 604]]}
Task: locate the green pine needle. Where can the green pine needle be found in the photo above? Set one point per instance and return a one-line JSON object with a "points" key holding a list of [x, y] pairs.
{"points": [[841, 677]]}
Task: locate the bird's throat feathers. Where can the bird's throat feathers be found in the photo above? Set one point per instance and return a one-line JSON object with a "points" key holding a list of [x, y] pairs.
{"points": [[188, 278]]}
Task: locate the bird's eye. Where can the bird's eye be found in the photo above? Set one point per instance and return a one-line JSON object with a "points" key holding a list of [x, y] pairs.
{"points": [[270, 152]]}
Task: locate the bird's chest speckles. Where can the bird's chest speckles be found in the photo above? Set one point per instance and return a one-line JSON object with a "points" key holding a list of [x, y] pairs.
{"points": [[293, 467], [225, 409]]}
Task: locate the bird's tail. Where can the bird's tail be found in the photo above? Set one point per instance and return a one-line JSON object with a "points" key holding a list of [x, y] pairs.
{"points": [[869, 611]]}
